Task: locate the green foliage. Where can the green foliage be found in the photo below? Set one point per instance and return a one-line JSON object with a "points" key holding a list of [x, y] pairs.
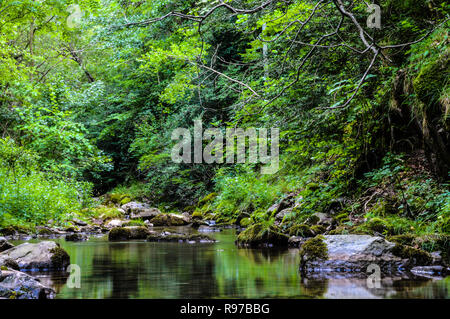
{"points": [[31, 196]]}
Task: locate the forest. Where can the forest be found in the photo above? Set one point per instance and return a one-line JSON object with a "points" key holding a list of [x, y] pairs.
{"points": [[92, 90]]}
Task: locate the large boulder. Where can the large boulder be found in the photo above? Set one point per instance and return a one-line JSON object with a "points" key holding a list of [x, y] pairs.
{"points": [[169, 220], [145, 214], [280, 216], [4, 244], [134, 207], [45, 255], [18, 285], [259, 235], [354, 253], [128, 233]]}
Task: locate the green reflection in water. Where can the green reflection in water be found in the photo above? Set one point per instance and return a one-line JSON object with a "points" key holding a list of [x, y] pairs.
{"points": [[140, 269]]}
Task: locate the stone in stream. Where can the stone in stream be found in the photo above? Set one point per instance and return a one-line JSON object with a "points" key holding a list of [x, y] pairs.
{"points": [[76, 237], [128, 233], [431, 271], [355, 253], [45, 255], [260, 235], [169, 220], [4, 244], [18, 285], [180, 238]]}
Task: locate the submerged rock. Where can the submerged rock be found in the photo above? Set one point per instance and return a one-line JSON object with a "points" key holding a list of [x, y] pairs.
{"points": [[208, 229], [4, 244], [354, 253], [259, 235], [128, 233], [45, 255], [18, 285], [440, 271]]}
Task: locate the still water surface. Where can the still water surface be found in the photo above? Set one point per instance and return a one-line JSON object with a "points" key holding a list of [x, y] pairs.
{"points": [[139, 269]]}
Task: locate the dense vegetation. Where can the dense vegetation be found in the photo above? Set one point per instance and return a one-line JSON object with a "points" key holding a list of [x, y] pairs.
{"points": [[88, 106]]}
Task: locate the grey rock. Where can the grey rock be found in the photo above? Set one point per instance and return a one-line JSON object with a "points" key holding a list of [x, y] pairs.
{"points": [[134, 207], [440, 271], [324, 219], [187, 217], [45, 255], [437, 258], [280, 216], [115, 223], [79, 222], [145, 214], [128, 233], [354, 253], [18, 285], [180, 238], [208, 229]]}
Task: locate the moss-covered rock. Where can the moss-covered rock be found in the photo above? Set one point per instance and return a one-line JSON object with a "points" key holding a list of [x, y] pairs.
{"points": [[168, 220], [342, 218], [312, 220], [60, 258], [44, 231], [180, 238], [262, 235], [15, 230], [415, 256], [245, 222], [313, 249], [125, 200], [208, 198], [197, 215], [119, 233], [104, 212], [318, 229], [128, 233], [76, 237], [379, 225], [404, 239], [302, 230], [428, 83]]}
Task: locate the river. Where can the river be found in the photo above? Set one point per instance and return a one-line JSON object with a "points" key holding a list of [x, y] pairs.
{"points": [[139, 269]]}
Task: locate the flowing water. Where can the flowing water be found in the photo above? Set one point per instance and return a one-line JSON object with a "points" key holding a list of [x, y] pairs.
{"points": [[139, 269]]}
